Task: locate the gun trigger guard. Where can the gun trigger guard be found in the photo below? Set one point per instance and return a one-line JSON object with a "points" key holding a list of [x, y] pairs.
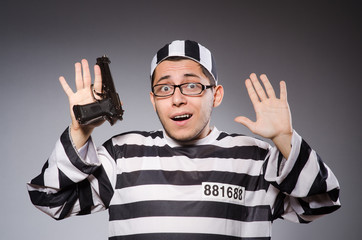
{"points": [[96, 93]]}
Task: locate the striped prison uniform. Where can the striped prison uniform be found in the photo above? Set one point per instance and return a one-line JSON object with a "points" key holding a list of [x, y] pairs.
{"points": [[225, 186]]}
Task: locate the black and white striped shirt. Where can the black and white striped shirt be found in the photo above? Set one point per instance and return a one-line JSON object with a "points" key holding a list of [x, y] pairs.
{"points": [[225, 186]]}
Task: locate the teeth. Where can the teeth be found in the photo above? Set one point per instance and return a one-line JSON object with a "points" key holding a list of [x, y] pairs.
{"points": [[183, 116]]}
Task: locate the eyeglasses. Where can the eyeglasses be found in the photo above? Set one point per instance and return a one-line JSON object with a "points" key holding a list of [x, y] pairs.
{"points": [[188, 89]]}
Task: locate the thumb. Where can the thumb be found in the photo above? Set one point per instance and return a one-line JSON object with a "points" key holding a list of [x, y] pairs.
{"points": [[245, 121]]}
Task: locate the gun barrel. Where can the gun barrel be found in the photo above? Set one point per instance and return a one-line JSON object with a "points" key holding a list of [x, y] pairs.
{"points": [[107, 80]]}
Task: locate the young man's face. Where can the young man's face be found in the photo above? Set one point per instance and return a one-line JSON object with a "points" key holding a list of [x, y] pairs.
{"points": [[195, 110]]}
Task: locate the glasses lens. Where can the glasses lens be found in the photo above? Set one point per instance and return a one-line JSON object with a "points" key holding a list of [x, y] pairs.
{"points": [[192, 88], [163, 90]]}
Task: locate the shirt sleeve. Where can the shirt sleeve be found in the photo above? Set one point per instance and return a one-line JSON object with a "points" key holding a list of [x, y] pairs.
{"points": [[72, 182], [304, 185]]}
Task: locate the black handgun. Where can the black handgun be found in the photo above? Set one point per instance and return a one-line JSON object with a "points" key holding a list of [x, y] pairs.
{"points": [[109, 107]]}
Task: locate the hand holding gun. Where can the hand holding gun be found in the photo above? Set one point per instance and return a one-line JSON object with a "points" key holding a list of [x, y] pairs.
{"points": [[108, 108], [87, 109]]}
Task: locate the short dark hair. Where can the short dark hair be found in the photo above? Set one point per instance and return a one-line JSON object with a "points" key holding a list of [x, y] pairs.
{"points": [[180, 58]]}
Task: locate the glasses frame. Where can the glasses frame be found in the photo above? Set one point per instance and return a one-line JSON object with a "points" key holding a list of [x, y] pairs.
{"points": [[179, 86]]}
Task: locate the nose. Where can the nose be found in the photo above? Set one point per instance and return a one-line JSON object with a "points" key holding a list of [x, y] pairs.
{"points": [[178, 98]]}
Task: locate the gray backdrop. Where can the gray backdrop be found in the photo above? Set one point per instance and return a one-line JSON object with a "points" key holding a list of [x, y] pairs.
{"points": [[314, 47]]}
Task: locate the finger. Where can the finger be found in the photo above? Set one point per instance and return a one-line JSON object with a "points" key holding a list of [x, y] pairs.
{"points": [[268, 87], [258, 88], [87, 81], [65, 86], [78, 76], [245, 121], [97, 79], [283, 91], [251, 91]]}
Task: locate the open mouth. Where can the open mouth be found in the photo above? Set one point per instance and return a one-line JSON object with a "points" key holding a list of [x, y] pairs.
{"points": [[182, 117]]}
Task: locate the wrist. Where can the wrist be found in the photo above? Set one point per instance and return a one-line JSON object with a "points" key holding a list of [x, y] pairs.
{"points": [[79, 135], [284, 143]]}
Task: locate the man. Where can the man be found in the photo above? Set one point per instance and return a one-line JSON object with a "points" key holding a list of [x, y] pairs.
{"points": [[189, 181]]}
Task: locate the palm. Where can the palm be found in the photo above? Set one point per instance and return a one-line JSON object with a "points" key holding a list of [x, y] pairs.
{"points": [[272, 114]]}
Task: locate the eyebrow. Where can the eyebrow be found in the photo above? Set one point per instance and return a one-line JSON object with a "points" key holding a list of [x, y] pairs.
{"points": [[163, 78], [191, 75], [185, 75]]}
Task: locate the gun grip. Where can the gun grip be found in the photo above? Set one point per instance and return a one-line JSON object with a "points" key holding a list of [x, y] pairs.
{"points": [[93, 112]]}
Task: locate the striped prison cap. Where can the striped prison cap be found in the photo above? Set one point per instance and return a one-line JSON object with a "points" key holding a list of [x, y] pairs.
{"points": [[188, 49]]}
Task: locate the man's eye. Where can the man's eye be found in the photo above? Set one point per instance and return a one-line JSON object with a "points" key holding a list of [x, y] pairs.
{"points": [[165, 88], [191, 85]]}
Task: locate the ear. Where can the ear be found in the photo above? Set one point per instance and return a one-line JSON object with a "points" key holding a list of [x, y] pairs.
{"points": [[152, 98], [218, 95]]}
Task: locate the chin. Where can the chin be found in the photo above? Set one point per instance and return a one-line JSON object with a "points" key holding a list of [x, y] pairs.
{"points": [[184, 136]]}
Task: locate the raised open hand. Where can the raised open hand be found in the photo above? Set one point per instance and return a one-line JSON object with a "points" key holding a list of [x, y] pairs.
{"points": [[83, 95], [273, 118]]}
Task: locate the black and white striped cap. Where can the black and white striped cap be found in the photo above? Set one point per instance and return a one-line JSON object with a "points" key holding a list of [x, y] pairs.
{"points": [[189, 49]]}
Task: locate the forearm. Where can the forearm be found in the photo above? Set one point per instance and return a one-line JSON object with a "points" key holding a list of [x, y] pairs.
{"points": [[66, 165], [61, 187], [310, 187]]}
